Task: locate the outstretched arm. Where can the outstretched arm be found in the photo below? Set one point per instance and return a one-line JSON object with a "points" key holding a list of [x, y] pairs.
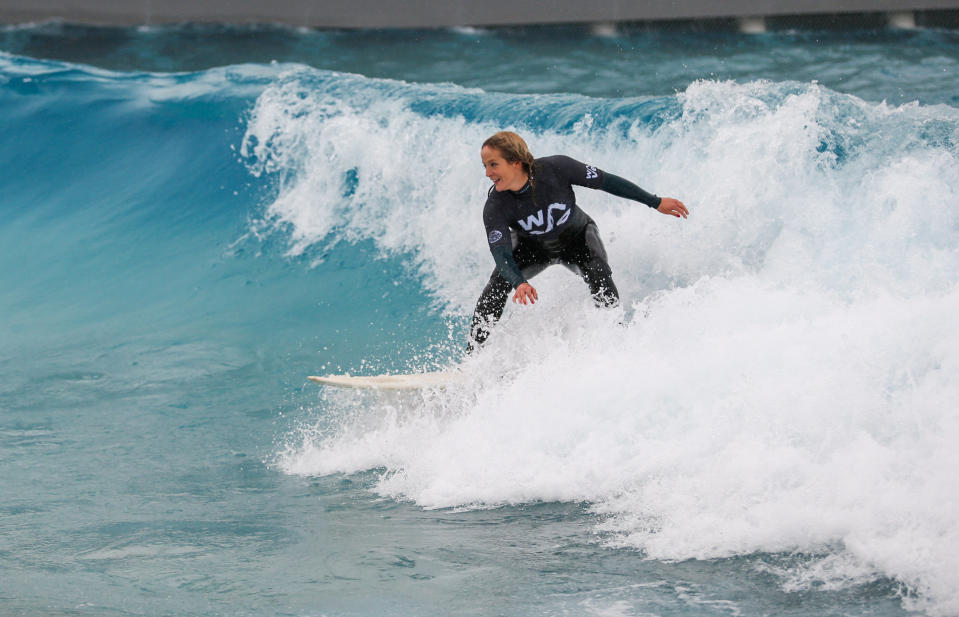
{"points": [[621, 187], [593, 178]]}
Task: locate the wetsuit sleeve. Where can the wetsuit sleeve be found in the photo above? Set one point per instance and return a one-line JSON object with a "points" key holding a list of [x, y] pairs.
{"points": [[621, 187], [582, 174], [574, 172], [507, 265], [501, 244]]}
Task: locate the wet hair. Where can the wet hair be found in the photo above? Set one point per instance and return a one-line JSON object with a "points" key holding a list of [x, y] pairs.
{"points": [[513, 149]]}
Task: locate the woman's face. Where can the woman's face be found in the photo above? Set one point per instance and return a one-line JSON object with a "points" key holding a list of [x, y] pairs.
{"points": [[505, 176]]}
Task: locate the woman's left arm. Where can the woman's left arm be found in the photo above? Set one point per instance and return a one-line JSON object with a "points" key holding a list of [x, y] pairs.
{"points": [[589, 176], [621, 187]]}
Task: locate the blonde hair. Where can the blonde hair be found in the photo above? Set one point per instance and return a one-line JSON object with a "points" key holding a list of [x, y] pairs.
{"points": [[513, 149]]}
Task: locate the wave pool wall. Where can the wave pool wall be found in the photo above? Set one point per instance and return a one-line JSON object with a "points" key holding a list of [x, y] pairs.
{"points": [[436, 13]]}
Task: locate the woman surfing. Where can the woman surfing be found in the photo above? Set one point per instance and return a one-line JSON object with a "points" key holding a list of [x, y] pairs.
{"points": [[532, 221]]}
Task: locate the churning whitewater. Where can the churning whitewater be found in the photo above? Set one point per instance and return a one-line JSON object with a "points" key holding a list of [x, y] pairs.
{"points": [[786, 380]]}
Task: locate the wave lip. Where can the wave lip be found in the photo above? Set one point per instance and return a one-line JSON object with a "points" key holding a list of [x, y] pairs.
{"points": [[790, 181], [786, 382]]}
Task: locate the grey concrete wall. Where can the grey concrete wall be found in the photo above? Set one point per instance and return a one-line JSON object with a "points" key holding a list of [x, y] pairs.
{"points": [[430, 13]]}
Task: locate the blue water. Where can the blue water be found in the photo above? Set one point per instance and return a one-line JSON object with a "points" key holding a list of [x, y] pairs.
{"points": [[193, 219]]}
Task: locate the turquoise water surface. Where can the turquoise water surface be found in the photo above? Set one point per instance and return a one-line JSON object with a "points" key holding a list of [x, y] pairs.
{"points": [[194, 219]]}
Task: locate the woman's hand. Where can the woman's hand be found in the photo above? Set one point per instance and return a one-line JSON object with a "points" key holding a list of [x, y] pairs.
{"points": [[676, 208], [525, 294]]}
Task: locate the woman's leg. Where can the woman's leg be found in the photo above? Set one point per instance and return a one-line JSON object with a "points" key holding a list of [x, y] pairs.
{"points": [[489, 308], [589, 257]]}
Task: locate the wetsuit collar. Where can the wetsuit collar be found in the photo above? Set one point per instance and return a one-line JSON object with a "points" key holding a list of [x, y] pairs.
{"points": [[529, 183]]}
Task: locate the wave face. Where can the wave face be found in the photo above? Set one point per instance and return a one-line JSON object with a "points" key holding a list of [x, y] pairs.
{"points": [[780, 381], [786, 380]]}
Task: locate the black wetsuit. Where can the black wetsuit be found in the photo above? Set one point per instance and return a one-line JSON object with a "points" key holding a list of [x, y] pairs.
{"points": [[541, 225]]}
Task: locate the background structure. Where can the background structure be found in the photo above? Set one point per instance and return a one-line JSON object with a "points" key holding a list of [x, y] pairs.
{"points": [[748, 14]]}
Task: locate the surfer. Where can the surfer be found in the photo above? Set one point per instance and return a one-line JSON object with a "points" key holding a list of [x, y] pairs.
{"points": [[532, 222]]}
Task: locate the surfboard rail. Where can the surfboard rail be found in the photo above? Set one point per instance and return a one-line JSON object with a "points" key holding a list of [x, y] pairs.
{"points": [[407, 381]]}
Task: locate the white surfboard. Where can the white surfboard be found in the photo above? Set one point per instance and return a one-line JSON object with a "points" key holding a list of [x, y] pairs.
{"points": [[412, 381]]}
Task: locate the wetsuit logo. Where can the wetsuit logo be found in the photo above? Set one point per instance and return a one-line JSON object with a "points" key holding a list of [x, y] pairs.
{"points": [[536, 220], [591, 172], [495, 236]]}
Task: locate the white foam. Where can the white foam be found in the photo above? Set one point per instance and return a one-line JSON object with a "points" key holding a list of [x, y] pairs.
{"points": [[787, 382]]}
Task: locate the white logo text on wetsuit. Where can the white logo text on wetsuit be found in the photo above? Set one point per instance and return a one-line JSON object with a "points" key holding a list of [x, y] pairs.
{"points": [[536, 220], [591, 172]]}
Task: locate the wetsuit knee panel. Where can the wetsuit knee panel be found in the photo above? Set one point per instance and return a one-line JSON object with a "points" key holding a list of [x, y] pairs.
{"points": [[594, 244]]}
